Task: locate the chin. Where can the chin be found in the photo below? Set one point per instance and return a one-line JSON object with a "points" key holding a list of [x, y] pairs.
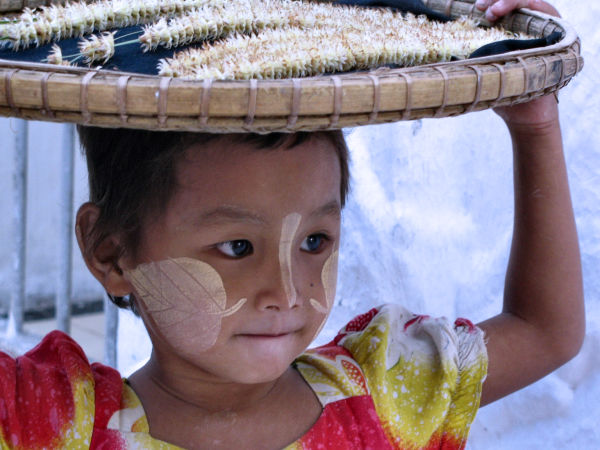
{"points": [[263, 367]]}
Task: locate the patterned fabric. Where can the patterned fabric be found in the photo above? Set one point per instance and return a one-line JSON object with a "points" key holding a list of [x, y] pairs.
{"points": [[390, 379], [423, 377], [52, 387], [52, 397]]}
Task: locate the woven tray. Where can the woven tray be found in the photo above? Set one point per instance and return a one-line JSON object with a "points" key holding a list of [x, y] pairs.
{"points": [[119, 99]]}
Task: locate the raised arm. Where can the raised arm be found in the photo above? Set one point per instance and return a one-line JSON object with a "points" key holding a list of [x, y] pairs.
{"points": [[542, 323]]}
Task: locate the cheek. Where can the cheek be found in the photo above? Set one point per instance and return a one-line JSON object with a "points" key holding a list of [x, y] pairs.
{"points": [[184, 299], [329, 281], [329, 278]]}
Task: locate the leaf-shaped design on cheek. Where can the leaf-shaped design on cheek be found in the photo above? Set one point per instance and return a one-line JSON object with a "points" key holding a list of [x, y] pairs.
{"points": [[329, 277], [315, 304], [329, 281], [199, 278], [180, 292]]}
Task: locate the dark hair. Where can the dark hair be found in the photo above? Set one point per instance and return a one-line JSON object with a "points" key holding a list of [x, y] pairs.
{"points": [[132, 174]]}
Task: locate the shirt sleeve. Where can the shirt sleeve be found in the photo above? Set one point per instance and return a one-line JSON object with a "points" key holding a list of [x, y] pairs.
{"points": [[47, 396], [424, 374]]}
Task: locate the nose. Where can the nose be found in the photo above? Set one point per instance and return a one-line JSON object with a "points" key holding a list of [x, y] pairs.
{"points": [[281, 268], [277, 285]]}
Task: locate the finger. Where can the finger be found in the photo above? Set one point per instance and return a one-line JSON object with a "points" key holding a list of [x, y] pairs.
{"points": [[501, 8], [482, 5]]}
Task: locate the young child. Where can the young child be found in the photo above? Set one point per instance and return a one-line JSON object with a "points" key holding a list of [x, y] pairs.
{"points": [[226, 246]]}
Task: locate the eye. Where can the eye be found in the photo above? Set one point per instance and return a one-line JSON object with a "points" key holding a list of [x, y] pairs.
{"points": [[314, 242], [236, 249]]}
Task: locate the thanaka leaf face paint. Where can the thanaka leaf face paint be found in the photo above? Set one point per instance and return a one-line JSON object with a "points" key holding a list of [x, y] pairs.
{"points": [[329, 281], [289, 226], [185, 297]]}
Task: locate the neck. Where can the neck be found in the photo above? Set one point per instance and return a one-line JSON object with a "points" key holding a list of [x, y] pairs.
{"points": [[187, 407], [195, 390]]}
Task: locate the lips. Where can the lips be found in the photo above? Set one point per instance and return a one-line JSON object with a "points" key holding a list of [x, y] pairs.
{"points": [[265, 336], [269, 333], [272, 326]]}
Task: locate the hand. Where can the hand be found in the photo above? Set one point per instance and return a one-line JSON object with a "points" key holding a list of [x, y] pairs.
{"points": [[540, 113], [537, 116]]}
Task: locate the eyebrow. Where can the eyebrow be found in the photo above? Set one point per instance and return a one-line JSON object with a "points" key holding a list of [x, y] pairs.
{"points": [[232, 213], [228, 213], [331, 208]]}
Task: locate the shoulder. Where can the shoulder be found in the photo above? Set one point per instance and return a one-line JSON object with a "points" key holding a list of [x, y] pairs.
{"points": [[57, 361], [390, 334], [54, 386], [424, 374]]}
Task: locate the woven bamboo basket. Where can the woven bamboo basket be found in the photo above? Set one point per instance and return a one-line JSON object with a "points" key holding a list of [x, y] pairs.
{"points": [[118, 99]]}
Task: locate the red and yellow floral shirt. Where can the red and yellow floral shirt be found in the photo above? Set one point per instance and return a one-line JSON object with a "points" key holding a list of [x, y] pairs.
{"points": [[390, 379]]}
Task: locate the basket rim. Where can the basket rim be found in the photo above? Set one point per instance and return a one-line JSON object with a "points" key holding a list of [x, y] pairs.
{"points": [[569, 45]]}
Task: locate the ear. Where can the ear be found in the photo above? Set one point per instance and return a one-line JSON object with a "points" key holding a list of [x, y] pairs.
{"points": [[104, 260]]}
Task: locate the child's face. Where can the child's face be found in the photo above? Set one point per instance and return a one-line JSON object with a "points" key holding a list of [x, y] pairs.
{"points": [[238, 275]]}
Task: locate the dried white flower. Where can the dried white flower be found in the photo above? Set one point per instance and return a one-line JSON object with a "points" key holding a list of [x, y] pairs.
{"points": [[55, 56], [98, 47], [57, 22], [210, 23], [350, 39]]}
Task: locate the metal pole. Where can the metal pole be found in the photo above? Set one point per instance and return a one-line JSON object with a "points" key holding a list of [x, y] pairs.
{"points": [[17, 296], [111, 325], [65, 251]]}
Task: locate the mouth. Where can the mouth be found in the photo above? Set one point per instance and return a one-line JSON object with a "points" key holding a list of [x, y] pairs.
{"points": [[266, 335], [272, 328]]}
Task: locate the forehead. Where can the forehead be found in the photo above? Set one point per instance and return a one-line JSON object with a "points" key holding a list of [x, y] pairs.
{"points": [[228, 171]]}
